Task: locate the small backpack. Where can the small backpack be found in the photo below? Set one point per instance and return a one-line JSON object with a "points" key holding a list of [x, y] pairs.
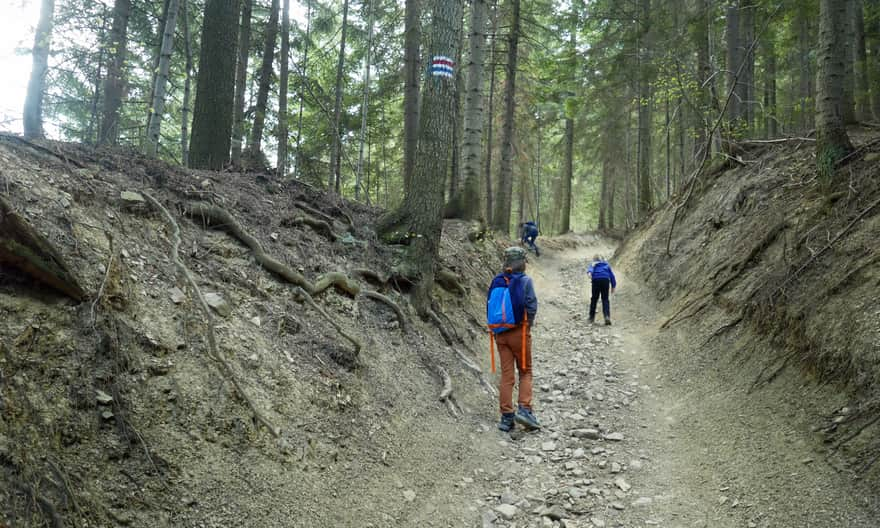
{"points": [[500, 315]]}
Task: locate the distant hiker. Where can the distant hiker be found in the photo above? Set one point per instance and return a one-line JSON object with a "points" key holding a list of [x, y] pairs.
{"points": [[601, 277], [511, 308], [529, 235]]}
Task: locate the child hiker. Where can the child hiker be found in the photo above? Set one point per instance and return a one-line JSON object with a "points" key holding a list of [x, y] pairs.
{"points": [[511, 308], [601, 277]]}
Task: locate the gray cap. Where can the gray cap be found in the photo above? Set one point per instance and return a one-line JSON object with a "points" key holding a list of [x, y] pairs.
{"points": [[514, 254]]}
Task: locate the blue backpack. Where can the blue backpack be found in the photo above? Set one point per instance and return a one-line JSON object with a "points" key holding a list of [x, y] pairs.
{"points": [[501, 315]]}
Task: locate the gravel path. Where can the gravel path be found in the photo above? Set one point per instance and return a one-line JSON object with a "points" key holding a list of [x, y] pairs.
{"points": [[632, 438]]}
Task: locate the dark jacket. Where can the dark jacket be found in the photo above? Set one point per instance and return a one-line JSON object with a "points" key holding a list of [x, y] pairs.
{"points": [[602, 270]]}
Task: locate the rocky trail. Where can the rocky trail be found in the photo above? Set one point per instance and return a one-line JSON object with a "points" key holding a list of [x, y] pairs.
{"points": [[634, 435]]}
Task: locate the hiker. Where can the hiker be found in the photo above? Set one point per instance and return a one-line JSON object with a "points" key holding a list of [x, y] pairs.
{"points": [[512, 306], [529, 235], [601, 278]]}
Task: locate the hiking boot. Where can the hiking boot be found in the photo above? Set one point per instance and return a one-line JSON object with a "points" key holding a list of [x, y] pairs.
{"points": [[592, 320], [525, 418], [506, 424], [607, 322]]}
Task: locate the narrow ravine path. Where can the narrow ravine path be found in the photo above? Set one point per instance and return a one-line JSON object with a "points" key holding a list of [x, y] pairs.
{"points": [[632, 438]]}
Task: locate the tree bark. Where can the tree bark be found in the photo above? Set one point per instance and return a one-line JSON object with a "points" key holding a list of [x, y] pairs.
{"points": [[863, 85], [365, 104], [734, 58], [411, 70], [334, 180], [184, 122], [567, 176], [281, 163], [603, 194], [421, 212], [770, 119], [241, 72], [487, 175], [872, 36], [747, 54], [255, 145], [108, 133], [466, 202], [501, 220], [645, 111], [832, 141], [704, 69], [157, 108], [33, 103], [849, 80], [805, 39], [212, 115], [303, 79]]}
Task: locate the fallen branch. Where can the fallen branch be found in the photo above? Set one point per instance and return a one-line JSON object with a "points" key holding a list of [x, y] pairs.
{"points": [[92, 314], [213, 351], [376, 296], [778, 140]]}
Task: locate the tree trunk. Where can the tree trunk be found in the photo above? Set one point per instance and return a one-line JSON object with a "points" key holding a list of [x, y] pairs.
{"points": [[747, 54], [157, 108], [212, 115], [603, 193], [108, 133], [806, 101], [154, 71], [863, 85], [411, 71], [303, 79], [734, 59], [255, 145], [849, 80], [281, 163], [770, 120], [421, 211], [184, 122], [334, 180], [611, 203], [365, 105], [33, 103], [832, 142], [466, 202], [872, 36], [96, 84], [704, 71], [241, 72], [501, 220], [487, 175], [567, 176], [645, 112]]}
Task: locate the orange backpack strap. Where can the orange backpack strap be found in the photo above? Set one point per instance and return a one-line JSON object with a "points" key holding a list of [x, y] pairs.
{"points": [[525, 338], [492, 349]]}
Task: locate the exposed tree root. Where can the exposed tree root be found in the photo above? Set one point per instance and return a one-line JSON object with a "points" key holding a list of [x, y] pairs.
{"points": [[25, 249], [859, 430], [304, 295], [473, 367], [432, 315], [319, 226], [320, 214], [42, 150], [449, 281], [722, 329], [401, 317], [371, 276], [765, 242], [340, 280], [759, 379], [213, 351], [821, 252], [675, 317], [219, 217]]}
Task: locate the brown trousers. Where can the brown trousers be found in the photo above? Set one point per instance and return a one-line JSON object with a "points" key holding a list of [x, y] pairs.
{"points": [[510, 351]]}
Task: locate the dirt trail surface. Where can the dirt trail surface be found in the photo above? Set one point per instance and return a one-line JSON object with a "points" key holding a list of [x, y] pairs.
{"points": [[636, 435]]}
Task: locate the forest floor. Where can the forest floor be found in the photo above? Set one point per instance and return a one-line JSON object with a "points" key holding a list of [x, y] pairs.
{"points": [[635, 434]]}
